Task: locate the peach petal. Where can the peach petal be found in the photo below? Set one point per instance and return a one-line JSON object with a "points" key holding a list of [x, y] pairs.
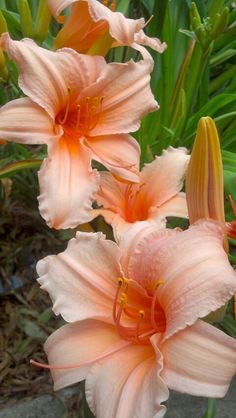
{"points": [[129, 244], [131, 380], [79, 344], [199, 360], [163, 178], [119, 153], [67, 184], [111, 193], [176, 206], [79, 31], [121, 28], [192, 264], [25, 122], [82, 280], [127, 97], [142, 39], [43, 71]]}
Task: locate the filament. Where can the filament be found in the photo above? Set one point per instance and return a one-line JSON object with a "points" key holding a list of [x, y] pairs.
{"points": [[63, 120], [154, 299]]}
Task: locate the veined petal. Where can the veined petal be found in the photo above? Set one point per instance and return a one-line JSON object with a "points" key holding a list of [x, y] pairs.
{"points": [[127, 97], [176, 206], [80, 344], [142, 39], [25, 122], [121, 28], [111, 193], [47, 76], [129, 246], [89, 19], [57, 6], [191, 263], [79, 31], [82, 281], [131, 380], [199, 360], [67, 184], [119, 153], [163, 178]]}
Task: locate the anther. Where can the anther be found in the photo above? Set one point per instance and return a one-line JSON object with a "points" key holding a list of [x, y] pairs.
{"points": [[123, 299], [158, 283], [142, 314], [121, 281]]}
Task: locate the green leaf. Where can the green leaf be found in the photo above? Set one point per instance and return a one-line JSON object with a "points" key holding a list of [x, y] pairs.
{"points": [[212, 107], [13, 23], [188, 33], [32, 330], [223, 56], [123, 6], [229, 164], [10, 169], [229, 325]]}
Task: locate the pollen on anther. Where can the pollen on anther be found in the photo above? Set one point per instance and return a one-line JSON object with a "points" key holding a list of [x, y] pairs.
{"points": [[142, 313], [159, 282], [123, 300], [120, 281]]}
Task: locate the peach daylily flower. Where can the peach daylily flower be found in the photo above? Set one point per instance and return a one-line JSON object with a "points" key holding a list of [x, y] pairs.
{"points": [[155, 197], [82, 108], [133, 314], [90, 20]]}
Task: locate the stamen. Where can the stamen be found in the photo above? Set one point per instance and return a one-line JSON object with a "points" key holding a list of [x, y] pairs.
{"points": [[74, 366], [122, 281], [78, 118], [154, 299], [97, 112], [54, 366], [233, 206], [123, 300], [141, 318], [105, 2], [86, 117], [148, 21], [63, 120]]}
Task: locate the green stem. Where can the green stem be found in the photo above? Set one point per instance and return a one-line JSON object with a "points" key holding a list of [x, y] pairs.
{"points": [[211, 408]]}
